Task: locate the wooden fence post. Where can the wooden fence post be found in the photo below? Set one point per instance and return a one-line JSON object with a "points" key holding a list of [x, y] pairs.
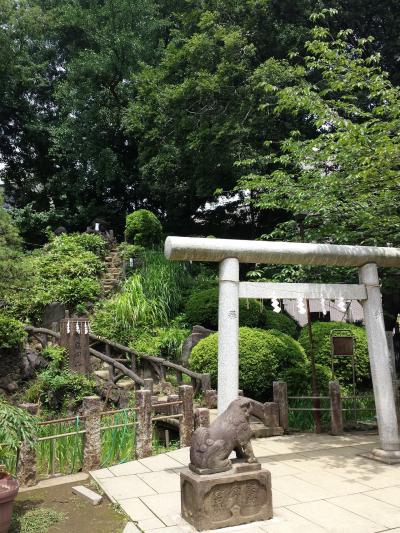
{"points": [[26, 467], [281, 398], [186, 422], [148, 384], [201, 418], [144, 428], [336, 408], [205, 382], [92, 407]]}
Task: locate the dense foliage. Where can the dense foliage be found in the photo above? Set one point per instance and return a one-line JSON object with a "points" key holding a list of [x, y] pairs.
{"points": [[12, 333], [65, 270], [153, 110], [322, 332], [16, 426], [339, 163], [149, 298], [263, 358], [56, 388]]}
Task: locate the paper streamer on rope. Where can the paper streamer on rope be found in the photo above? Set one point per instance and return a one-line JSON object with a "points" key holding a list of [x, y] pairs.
{"points": [[68, 328], [78, 329], [301, 306], [86, 328], [341, 305], [275, 305], [323, 306]]}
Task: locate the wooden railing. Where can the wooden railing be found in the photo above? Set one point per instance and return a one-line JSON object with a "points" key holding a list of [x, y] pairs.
{"points": [[89, 425], [127, 361]]}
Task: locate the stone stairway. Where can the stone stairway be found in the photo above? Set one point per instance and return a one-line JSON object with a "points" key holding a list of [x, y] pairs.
{"points": [[113, 274]]}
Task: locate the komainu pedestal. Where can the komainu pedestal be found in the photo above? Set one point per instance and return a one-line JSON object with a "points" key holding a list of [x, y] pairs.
{"points": [[237, 496]]}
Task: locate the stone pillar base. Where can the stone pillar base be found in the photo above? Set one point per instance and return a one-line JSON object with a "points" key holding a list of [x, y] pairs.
{"points": [[383, 456], [239, 496]]}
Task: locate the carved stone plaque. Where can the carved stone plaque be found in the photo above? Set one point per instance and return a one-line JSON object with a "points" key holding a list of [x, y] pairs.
{"points": [[227, 498]]}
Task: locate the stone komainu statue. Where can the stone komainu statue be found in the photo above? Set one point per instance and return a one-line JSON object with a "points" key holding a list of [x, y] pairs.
{"points": [[211, 447]]}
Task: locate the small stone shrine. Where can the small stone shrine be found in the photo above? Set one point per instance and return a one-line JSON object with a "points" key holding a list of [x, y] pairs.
{"points": [[217, 491]]}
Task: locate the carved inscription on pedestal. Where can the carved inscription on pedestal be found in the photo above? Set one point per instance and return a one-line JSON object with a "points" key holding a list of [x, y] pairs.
{"points": [[245, 496], [226, 498]]}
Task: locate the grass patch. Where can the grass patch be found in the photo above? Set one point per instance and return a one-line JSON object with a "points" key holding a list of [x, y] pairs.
{"points": [[35, 520]]}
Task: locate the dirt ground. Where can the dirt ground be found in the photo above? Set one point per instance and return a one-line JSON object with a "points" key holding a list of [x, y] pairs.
{"points": [[81, 515]]}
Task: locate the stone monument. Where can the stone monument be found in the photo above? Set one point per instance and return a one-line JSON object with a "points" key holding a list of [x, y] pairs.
{"points": [[217, 491]]}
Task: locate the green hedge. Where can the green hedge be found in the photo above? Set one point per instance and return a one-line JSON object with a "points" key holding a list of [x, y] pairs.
{"points": [[281, 322], [263, 357], [202, 308], [143, 228], [343, 366]]}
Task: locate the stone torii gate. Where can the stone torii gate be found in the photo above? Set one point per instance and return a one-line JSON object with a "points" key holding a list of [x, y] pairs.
{"points": [[229, 253]]}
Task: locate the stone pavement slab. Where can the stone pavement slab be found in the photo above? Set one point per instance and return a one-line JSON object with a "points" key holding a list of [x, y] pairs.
{"points": [[319, 483]]}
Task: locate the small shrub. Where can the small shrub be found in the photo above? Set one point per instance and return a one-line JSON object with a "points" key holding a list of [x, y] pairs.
{"points": [[90, 242], [143, 229], [58, 390], [12, 333], [263, 355], [343, 365]]}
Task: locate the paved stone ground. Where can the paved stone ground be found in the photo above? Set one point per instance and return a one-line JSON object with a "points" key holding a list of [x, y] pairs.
{"points": [[319, 483]]}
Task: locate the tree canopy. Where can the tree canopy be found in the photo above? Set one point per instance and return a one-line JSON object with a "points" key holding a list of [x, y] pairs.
{"points": [[109, 106]]}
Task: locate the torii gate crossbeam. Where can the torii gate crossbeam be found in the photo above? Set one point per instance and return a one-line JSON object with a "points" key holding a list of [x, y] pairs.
{"points": [[230, 252]]}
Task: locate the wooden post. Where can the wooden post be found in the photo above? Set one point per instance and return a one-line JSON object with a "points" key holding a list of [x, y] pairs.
{"points": [[205, 382], [144, 428], [26, 464], [74, 337], [186, 423], [201, 418], [179, 377], [316, 403], [111, 370], [336, 408], [173, 409], [281, 398], [148, 384], [92, 440]]}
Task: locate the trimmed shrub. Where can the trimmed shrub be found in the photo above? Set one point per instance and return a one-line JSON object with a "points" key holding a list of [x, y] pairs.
{"points": [[202, 308], [263, 355], [343, 365], [143, 228], [299, 382], [281, 322]]}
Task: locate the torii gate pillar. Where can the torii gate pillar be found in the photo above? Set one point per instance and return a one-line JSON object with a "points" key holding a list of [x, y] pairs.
{"points": [[228, 333], [380, 366]]}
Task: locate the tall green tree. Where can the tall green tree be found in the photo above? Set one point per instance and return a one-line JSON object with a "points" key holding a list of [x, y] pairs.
{"points": [[340, 166], [196, 110], [103, 44]]}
